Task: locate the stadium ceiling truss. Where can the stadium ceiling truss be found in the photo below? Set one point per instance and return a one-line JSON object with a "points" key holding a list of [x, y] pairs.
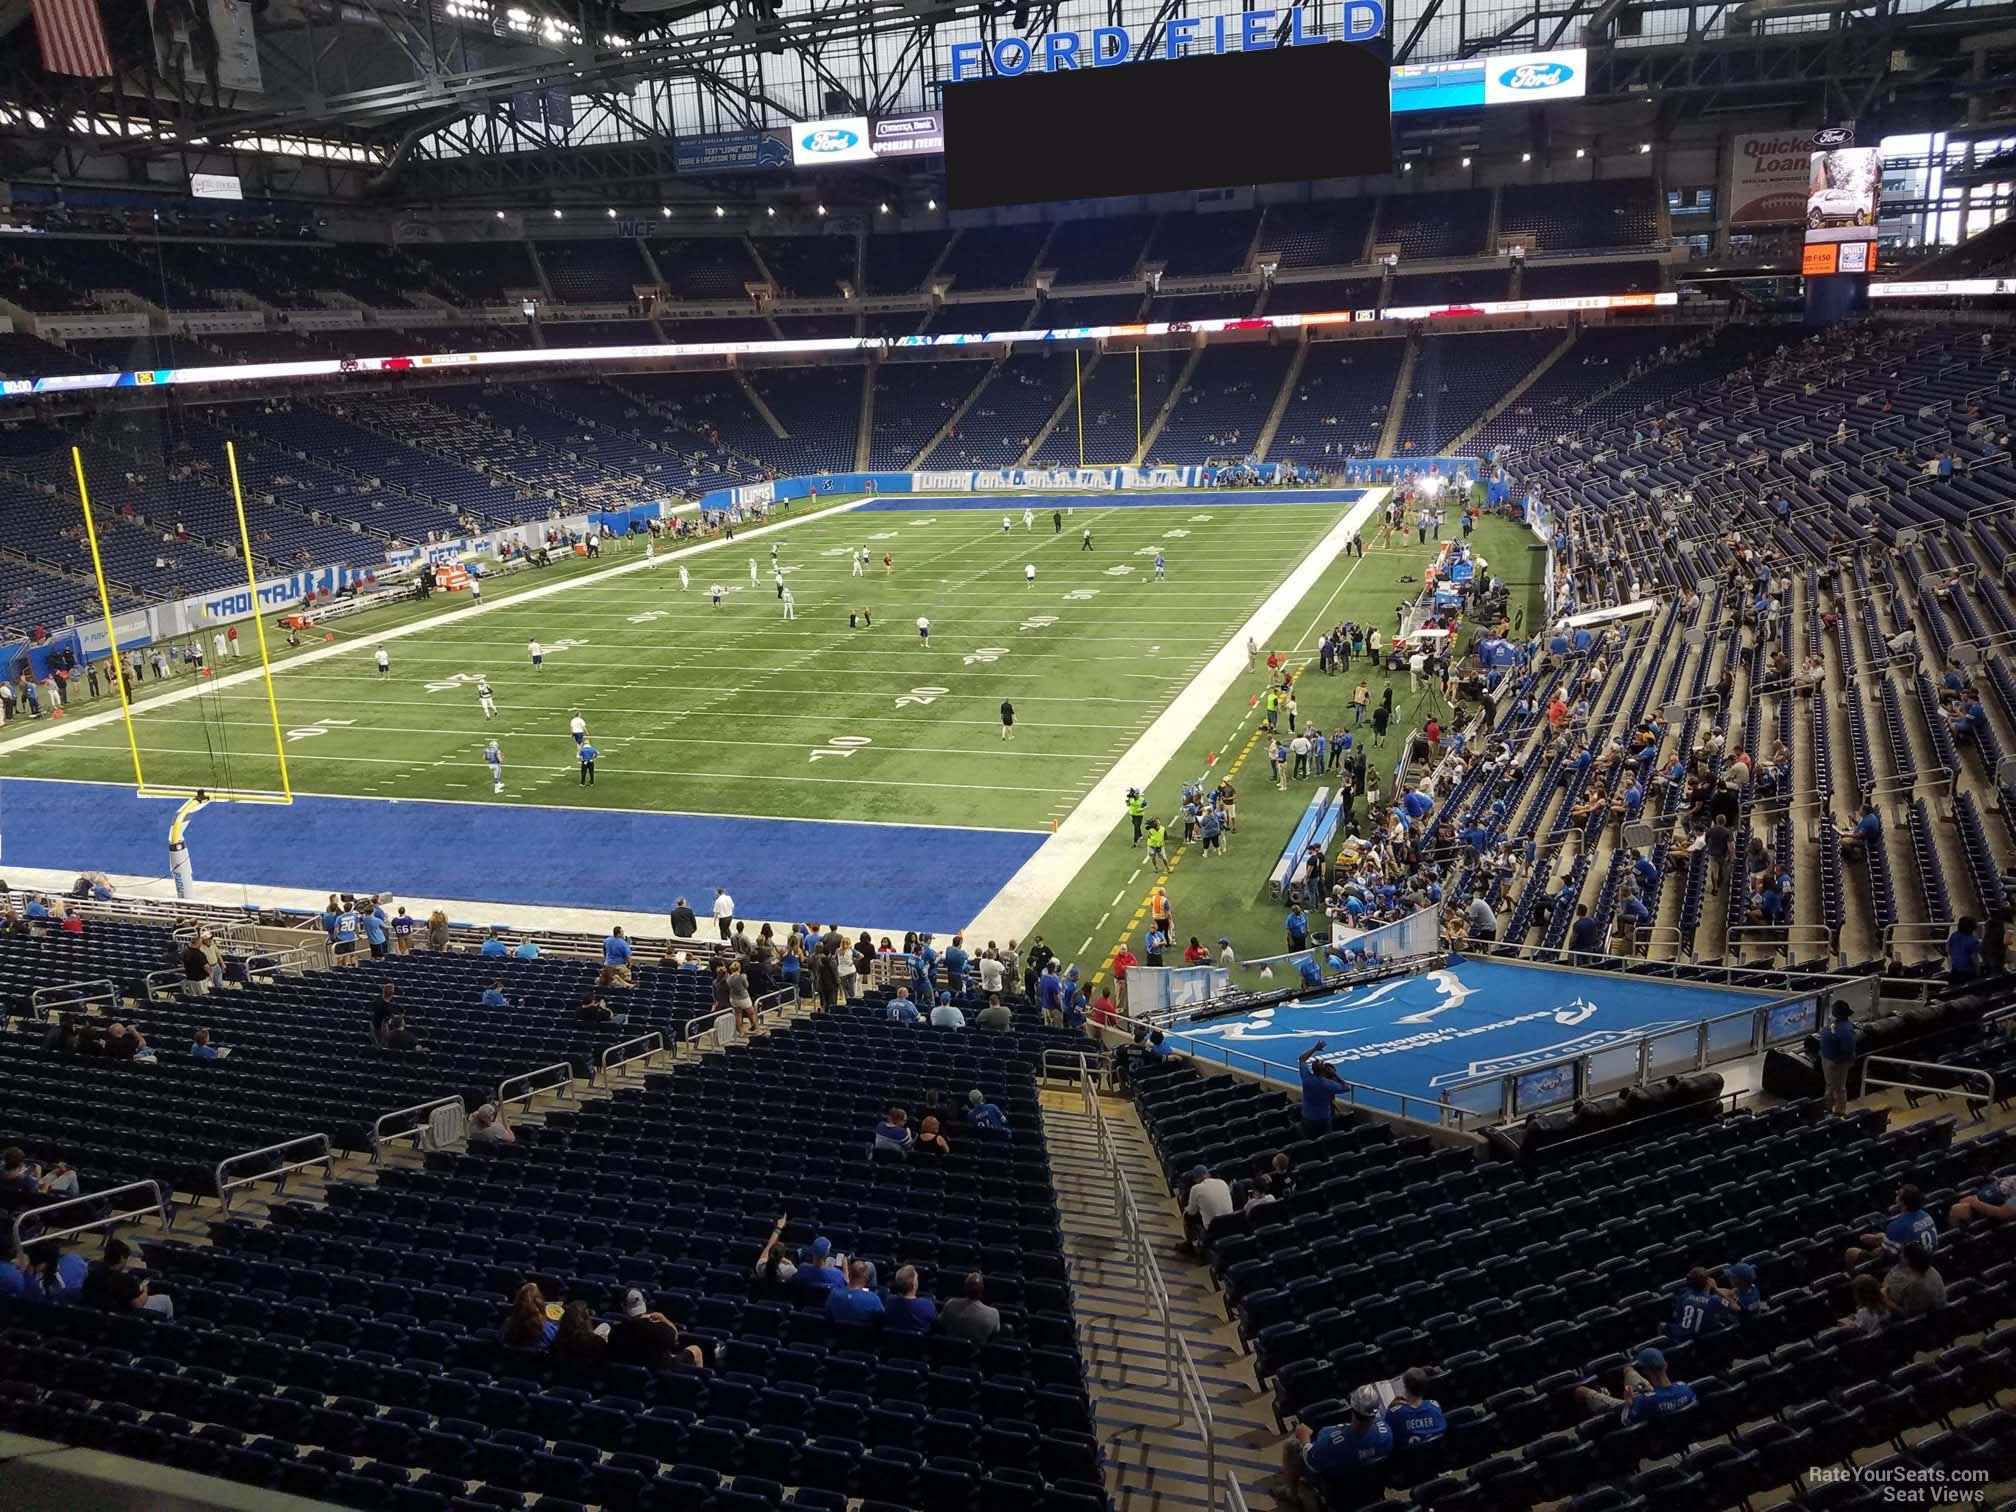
{"points": [[427, 99]]}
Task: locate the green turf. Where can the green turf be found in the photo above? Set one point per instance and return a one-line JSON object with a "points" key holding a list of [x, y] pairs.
{"points": [[721, 711], [1227, 896]]}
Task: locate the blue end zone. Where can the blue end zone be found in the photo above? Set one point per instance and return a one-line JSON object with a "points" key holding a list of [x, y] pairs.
{"points": [[1043, 504], [913, 877], [1417, 1035]]}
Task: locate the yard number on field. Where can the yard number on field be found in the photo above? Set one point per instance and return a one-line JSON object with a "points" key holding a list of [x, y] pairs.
{"points": [[320, 727], [920, 696], [840, 745]]}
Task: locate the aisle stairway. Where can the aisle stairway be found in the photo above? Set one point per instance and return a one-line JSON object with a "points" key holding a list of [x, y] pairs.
{"points": [[1155, 1456]]}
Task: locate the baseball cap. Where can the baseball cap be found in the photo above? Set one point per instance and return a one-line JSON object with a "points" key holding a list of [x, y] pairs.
{"points": [[1649, 1358], [1741, 1271], [1365, 1402], [633, 1303], [1199, 1172], [822, 1247]]}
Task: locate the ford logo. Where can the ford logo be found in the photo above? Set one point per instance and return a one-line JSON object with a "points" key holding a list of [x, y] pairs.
{"points": [[1536, 76], [829, 139], [1834, 136]]}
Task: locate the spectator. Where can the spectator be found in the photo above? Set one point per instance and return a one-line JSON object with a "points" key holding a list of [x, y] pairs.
{"points": [[1649, 1392], [819, 1269], [856, 1302], [399, 1037], [1837, 1057], [528, 950], [1208, 1199], [528, 1326], [648, 1338], [17, 1272], [744, 1006], [1911, 1225], [684, 924], [1872, 1308], [983, 1114], [1331, 1460], [1415, 1417], [1321, 1087], [579, 1340], [21, 1179], [494, 948], [969, 1316], [901, 1010], [996, 1015], [905, 1311], [931, 1138], [1988, 1195], [893, 1133], [487, 1126], [1963, 951], [111, 1287], [1914, 1286], [493, 995], [202, 1049], [437, 931], [195, 970], [1749, 1301], [592, 1010], [947, 1015], [1700, 1307], [1585, 935]]}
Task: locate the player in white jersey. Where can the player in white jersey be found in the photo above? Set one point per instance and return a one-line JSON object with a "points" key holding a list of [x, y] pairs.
{"points": [[1029, 572], [475, 589], [1006, 524], [773, 553], [650, 553], [790, 604], [685, 578], [483, 696], [752, 572], [860, 560], [1028, 519], [578, 728], [717, 591], [495, 759], [537, 652], [384, 663]]}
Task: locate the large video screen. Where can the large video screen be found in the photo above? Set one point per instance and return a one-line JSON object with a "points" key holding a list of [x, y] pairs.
{"points": [[1843, 190], [1278, 115]]}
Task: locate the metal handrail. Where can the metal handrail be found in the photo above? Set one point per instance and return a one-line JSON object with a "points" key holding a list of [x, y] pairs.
{"points": [[48, 997], [530, 1092], [278, 1173], [699, 1028], [295, 958], [1235, 1494], [379, 1133], [1198, 1407], [1976, 1100], [157, 981], [159, 1206], [606, 1062]]}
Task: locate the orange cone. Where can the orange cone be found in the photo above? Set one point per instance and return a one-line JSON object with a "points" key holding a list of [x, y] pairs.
{"points": [[328, 635]]}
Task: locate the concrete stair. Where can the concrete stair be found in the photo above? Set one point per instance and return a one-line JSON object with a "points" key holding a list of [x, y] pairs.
{"points": [[1156, 1457]]}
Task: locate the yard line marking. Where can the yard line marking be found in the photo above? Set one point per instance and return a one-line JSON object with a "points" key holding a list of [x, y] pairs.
{"points": [[1084, 947], [1117, 897]]}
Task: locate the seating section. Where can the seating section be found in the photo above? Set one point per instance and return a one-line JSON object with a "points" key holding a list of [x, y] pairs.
{"points": [[1340, 400], [912, 400], [1601, 358], [482, 273], [599, 270], [1321, 234], [1193, 246], [1438, 223], [1093, 251], [996, 257], [1119, 399], [1003, 420], [705, 267], [1449, 288], [349, 1350], [809, 267], [1225, 404], [1512, 1287], [1573, 218], [898, 261], [820, 410], [1566, 280], [1456, 378]]}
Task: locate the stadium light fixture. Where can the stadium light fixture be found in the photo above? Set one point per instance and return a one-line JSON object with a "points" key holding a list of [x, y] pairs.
{"points": [[719, 212], [500, 215], [1525, 157], [666, 211], [612, 212], [771, 211], [883, 207], [1580, 153], [1644, 148], [821, 209], [557, 214], [1466, 162], [931, 204]]}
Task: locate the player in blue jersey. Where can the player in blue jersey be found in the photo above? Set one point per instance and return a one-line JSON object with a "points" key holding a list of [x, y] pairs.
{"points": [[493, 756]]}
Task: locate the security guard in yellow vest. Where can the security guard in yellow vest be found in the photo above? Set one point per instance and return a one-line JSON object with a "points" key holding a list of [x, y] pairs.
{"points": [[1137, 808]]}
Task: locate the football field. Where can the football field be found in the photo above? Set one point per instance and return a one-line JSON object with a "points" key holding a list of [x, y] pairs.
{"points": [[730, 712]]}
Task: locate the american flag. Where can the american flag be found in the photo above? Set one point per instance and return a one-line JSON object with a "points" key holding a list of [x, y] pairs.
{"points": [[73, 38]]}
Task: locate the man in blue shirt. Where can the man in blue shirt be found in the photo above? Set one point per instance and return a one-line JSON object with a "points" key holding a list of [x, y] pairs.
{"points": [[817, 1269], [1963, 951], [956, 962], [1342, 1452], [17, 1275], [903, 1311], [854, 1303], [1415, 1417], [901, 1009], [1585, 935], [528, 950], [493, 996], [1911, 1225], [1321, 1086], [616, 949], [1700, 1306], [346, 931], [587, 753], [984, 1114], [1743, 1292], [374, 933], [1837, 1056], [1298, 928], [494, 946], [1649, 1392], [1050, 994]]}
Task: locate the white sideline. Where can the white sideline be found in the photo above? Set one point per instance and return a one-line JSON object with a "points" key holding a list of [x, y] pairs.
{"points": [[57, 729], [1037, 884]]}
